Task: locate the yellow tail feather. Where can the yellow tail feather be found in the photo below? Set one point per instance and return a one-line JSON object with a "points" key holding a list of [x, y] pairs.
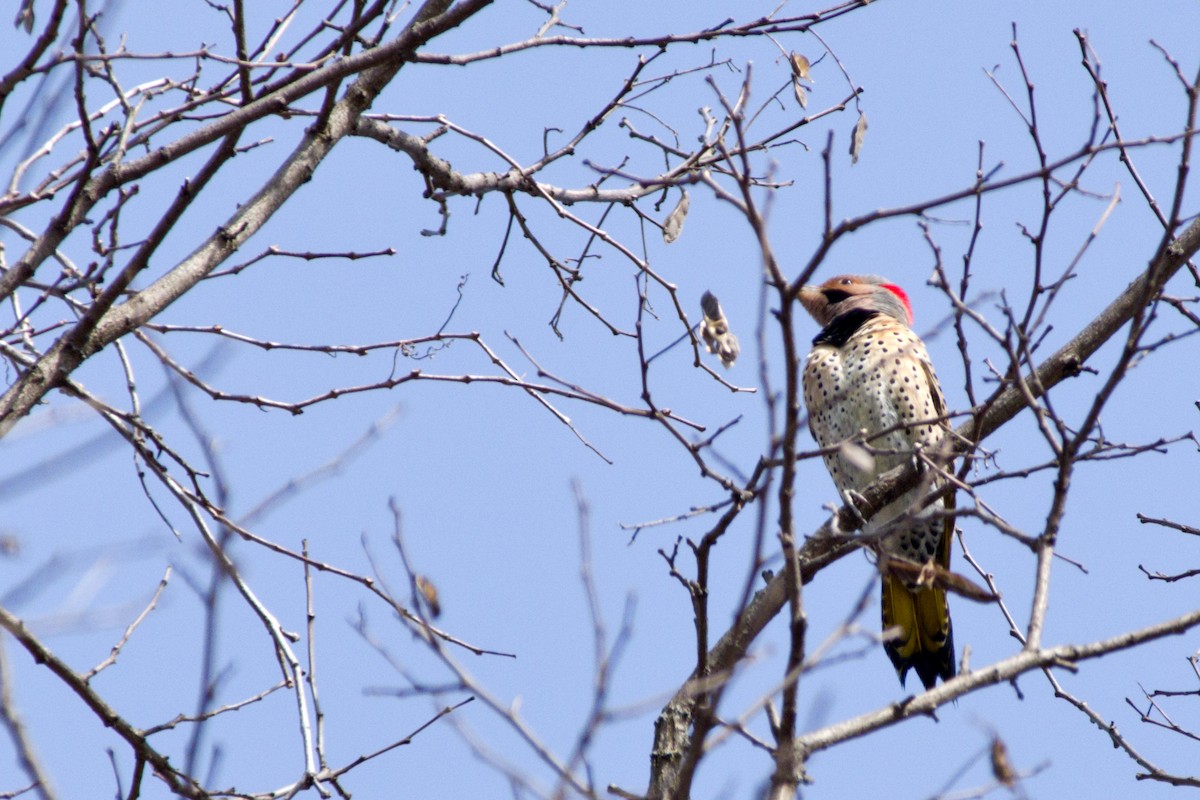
{"points": [[926, 641]]}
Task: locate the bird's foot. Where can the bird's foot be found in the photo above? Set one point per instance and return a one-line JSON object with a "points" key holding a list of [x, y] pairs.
{"points": [[855, 502]]}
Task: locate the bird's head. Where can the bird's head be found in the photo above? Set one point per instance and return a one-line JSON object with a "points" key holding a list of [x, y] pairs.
{"points": [[846, 293]]}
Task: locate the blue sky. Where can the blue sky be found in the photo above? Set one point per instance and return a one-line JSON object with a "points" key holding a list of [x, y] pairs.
{"points": [[483, 475]]}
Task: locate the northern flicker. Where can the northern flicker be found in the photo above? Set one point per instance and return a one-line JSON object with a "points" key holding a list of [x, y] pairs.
{"points": [[871, 393]]}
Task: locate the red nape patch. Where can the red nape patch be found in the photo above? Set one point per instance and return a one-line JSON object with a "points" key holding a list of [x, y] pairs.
{"points": [[896, 290]]}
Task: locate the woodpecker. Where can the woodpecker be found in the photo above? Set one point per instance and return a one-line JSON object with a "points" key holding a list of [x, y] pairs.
{"points": [[872, 395]]}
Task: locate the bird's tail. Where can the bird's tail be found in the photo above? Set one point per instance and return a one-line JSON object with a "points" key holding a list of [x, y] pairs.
{"points": [[926, 640]]}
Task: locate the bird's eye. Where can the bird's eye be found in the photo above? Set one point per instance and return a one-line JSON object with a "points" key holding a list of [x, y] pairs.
{"points": [[846, 281]]}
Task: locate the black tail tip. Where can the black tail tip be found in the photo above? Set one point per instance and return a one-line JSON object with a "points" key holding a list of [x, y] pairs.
{"points": [[929, 667]]}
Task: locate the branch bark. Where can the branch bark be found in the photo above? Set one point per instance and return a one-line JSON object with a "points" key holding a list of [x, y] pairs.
{"points": [[1002, 671]]}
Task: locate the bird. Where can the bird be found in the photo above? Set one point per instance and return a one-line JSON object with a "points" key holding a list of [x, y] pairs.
{"points": [[873, 401]]}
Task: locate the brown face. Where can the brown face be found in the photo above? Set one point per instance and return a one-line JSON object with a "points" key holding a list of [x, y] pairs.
{"points": [[846, 293]]}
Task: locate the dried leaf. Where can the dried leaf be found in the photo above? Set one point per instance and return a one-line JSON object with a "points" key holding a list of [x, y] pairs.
{"points": [[859, 457], [801, 95], [800, 66], [674, 224], [1002, 768], [714, 329], [964, 587], [931, 574], [429, 594], [860, 131], [25, 16], [9, 545]]}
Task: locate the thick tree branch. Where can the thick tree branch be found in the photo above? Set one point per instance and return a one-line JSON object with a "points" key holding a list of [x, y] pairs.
{"points": [[1000, 672]]}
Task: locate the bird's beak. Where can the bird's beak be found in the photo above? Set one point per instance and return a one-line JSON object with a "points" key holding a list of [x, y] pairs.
{"points": [[813, 300]]}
